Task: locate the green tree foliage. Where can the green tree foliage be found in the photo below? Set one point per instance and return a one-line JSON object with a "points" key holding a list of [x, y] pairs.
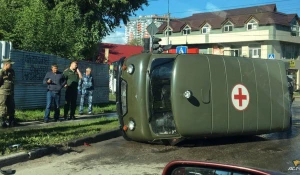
{"points": [[135, 42], [67, 28]]}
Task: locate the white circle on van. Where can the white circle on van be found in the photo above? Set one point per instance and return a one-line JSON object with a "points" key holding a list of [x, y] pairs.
{"points": [[240, 97]]}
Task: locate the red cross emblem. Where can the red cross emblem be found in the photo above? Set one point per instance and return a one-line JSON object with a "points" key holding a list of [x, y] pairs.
{"points": [[240, 97]]}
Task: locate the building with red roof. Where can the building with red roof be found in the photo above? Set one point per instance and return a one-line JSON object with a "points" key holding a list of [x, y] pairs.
{"points": [[109, 53]]}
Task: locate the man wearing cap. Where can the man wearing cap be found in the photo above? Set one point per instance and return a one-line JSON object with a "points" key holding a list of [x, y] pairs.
{"points": [[72, 76], [7, 103]]}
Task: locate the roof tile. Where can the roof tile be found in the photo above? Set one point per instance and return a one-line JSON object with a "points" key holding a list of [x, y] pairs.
{"points": [[265, 14]]}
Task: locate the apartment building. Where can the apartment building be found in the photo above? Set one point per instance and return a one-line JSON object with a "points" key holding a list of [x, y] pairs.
{"points": [[136, 28]]}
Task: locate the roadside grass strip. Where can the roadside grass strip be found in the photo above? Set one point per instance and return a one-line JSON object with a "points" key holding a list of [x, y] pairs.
{"points": [[15, 140], [38, 114]]}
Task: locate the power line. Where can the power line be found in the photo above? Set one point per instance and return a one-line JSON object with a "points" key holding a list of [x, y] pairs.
{"points": [[123, 25], [204, 10], [229, 7], [232, 7], [242, 14]]}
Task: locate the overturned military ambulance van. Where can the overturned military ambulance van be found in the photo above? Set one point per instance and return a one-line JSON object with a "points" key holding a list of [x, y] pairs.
{"points": [[169, 96]]}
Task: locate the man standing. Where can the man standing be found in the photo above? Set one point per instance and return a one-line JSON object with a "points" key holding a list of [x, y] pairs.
{"points": [[72, 76], [55, 81], [85, 88], [291, 87], [7, 103]]}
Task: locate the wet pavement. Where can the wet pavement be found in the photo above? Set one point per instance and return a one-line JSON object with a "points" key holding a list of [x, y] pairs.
{"points": [[116, 156]]}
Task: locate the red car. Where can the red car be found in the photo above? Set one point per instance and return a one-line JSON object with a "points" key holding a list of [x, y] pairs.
{"points": [[208, 168]]}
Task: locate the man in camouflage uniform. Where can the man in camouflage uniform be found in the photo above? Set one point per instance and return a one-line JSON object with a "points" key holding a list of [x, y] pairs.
{"points": [[85, 89], [7, 103]]}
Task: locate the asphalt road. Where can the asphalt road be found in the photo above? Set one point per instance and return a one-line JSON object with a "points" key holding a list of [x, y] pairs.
{"points": [[117, 156]]}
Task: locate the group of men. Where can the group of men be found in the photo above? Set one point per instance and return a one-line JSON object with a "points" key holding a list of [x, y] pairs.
{"points": [[71, 79], [75, 83]]}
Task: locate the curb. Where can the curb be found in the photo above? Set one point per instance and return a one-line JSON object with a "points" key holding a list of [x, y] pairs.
{"points": [[40, 152], [95, 138]]}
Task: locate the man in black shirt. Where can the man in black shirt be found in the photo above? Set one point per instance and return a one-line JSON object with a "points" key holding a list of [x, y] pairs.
{"points": [[72, 75]]}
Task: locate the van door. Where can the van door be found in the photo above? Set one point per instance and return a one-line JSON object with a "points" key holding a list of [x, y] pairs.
{"points": [[191, 73]]}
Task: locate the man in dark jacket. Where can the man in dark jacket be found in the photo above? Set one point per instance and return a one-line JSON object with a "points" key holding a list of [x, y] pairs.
{"points": [[7, 102], [72, 76], [85, 89], [55, 81]]}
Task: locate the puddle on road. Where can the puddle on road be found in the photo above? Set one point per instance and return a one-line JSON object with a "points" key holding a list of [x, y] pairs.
{"points": [[292, 133]]}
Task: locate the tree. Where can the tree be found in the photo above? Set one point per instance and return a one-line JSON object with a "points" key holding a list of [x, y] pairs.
{"points": [[67, 28], [135, 42], [31, 27], [9, 10]]}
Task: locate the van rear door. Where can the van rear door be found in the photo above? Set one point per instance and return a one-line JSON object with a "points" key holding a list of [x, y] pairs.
{"points": [[192, 73]]}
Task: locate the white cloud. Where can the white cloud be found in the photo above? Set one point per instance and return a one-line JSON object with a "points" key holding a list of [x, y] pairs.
{"points": [[190, 12], [212, 8], [117, 37]]}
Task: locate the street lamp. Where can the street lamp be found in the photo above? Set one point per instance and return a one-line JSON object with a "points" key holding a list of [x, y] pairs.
{"points": [[168, 23]]}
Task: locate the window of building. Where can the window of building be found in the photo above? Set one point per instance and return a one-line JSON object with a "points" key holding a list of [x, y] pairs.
{"points": [[295, 28], [206, 29], [186, 30], [168, 31], [232, 52], [254, 52], [228, 27], [290, 51], [252, 25]]}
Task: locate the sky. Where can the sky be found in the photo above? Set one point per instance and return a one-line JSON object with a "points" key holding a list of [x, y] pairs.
{"points": [[185, 8]]}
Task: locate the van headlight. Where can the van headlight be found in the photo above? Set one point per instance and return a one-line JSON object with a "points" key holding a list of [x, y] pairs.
{"points": [[187, 94], [131, 125], [130, 69]]}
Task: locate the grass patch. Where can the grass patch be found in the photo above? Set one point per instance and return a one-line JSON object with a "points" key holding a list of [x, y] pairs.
{"points": [[38, 114], [112, 97], [296, 94], [52, 135]]}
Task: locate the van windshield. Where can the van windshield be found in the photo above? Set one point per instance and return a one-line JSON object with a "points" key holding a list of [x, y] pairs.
{"points": [[160, 96]]}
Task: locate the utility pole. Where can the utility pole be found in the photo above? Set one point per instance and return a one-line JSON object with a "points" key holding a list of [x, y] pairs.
{"points": [[168, 23]]}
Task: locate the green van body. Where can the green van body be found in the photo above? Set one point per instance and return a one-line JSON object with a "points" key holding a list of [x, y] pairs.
{"points": [[189, 96]]}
